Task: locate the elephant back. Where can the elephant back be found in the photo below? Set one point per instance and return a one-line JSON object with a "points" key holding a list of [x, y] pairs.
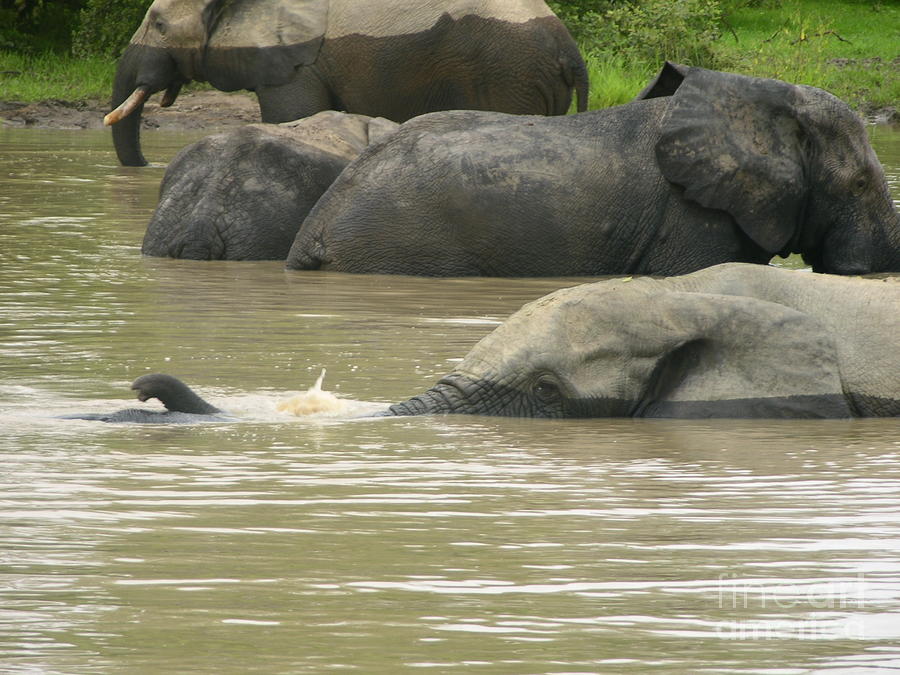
{"points": [[402, 17]]}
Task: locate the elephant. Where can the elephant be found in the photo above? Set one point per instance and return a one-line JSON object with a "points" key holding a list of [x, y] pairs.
{"points": [[242, 194], [705, 167], [382, 58], [183, 405], [733, 340]]}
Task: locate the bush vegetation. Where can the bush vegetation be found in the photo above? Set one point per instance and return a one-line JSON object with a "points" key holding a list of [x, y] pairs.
{"points": [[106, 26], [848, 47], [65, 48]]}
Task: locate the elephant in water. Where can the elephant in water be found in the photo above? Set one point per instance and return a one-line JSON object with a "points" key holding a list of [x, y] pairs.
{"points": [[183, 405], [242, 194], [706, 167], [734, 340], [382, 58]]}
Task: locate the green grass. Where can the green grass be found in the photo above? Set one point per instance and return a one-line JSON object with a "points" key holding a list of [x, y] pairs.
{"points": [[849, 47], [615, 81], [30, 78]]}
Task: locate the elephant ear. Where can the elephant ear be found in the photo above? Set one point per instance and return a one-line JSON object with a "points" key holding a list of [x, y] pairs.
{"points": [[666, 82], [735, 143], [261, 42], [736, 356]]}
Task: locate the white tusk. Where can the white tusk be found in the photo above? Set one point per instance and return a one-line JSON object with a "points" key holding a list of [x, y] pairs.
{"points": [[138, 96]]}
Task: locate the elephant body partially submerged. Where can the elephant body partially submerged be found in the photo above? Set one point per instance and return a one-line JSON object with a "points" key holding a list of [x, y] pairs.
{"points": [[707, 167], [242, 194], [383, 58], [734, 340]]}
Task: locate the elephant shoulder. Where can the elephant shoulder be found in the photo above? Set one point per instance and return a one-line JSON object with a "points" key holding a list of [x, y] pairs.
{"points": [[455, 120], [469, 149], [400, 17], [258, 24]]}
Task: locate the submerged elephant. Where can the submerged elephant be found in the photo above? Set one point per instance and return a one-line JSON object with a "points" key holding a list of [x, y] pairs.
{"points": [[383, 58], [734, 340], [242, 194], [183, 405], [706, 167]]}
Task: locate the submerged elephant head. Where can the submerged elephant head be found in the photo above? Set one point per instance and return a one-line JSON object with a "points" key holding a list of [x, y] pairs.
{"points": [[736, 340], [792, 164], [243, 193], [232, 45]]}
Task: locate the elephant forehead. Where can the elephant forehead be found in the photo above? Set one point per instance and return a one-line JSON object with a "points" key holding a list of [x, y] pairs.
{"points": [[183, 20], [400, 17], [332, 131], [571, 323], [616, 298], [338, 141], [305, 142]]}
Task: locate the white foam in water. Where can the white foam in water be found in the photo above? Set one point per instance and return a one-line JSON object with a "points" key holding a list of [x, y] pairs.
{"points": [[314, 401]]}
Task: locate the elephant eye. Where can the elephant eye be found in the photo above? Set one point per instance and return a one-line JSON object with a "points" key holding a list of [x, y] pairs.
{"points": [[160, 26], [546, 390]]}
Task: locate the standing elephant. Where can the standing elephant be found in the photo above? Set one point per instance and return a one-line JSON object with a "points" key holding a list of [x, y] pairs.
{"points": [[734, 340], [242, 194], [707, 167], [383, 58]]}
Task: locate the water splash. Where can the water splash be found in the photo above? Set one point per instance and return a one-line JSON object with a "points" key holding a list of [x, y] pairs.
{"points": [[314, 401]]}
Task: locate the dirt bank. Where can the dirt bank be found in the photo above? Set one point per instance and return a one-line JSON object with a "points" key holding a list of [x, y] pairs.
{"points": [[205, 109]]}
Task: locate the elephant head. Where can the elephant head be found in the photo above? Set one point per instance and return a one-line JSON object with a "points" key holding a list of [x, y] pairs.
{"points": [[722, 342], [792, 164], [260, 43], [243, 193]]}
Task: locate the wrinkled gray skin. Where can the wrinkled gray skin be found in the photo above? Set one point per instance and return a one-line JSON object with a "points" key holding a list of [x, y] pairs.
{"points": [[183, 405], [734, 340], [242, 194], [383, 58], [706, 167]]}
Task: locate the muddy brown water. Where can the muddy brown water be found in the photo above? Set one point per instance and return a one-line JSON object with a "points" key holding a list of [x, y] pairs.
{"points": [[281, 544]]}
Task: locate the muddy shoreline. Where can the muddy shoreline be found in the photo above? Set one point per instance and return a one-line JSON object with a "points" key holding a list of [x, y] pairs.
{"points": [[203, 109]]}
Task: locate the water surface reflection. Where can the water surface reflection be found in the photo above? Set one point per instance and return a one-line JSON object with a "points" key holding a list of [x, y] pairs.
{"points": [[384, 545]]}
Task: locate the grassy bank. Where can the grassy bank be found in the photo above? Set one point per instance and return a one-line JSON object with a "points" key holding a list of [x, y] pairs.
{"points": [[852, 49], [30, 78], [849, 47]]}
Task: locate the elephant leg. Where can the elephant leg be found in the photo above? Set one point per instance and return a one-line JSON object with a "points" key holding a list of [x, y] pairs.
{"points": [[303, 96]]}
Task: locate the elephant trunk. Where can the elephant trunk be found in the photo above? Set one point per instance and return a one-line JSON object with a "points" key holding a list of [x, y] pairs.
{"points": [[142, 71], [127, 105], [888, 252], [441, 399]]}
